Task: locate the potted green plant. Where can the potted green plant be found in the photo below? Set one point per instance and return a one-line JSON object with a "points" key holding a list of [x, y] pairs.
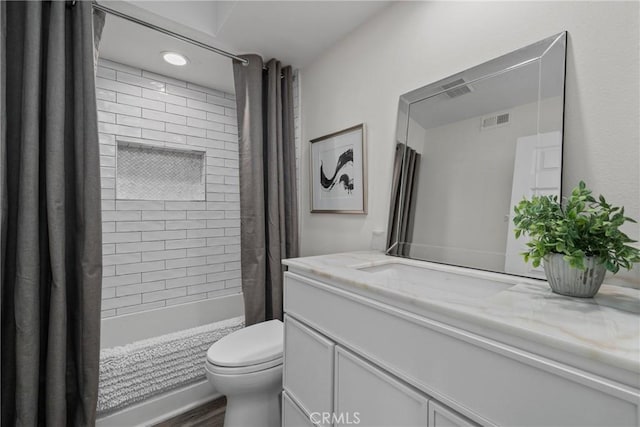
{"points": [[577, 241]]}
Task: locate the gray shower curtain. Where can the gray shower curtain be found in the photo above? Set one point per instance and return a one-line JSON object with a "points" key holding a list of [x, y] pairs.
{"points": [[401, 212], [51, 221], [268, 195]]}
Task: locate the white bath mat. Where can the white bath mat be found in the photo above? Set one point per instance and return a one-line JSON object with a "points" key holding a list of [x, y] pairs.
{"points": [[142, 369]]}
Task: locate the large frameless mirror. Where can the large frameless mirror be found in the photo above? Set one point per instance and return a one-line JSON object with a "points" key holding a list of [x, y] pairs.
{"points": [[470, 147]]}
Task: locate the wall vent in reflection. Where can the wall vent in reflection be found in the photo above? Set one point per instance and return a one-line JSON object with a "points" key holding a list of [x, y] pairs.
{"points": [[457, 88], [145, 172], [494, 121]]}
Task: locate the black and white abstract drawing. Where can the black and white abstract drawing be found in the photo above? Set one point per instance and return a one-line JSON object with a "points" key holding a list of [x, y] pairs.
{"points": [[344, 161], [338, 180]]}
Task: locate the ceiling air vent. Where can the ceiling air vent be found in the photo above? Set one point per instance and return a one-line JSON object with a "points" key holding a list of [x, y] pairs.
{"points": [[457, 88], [494, 121], [502, 119]]}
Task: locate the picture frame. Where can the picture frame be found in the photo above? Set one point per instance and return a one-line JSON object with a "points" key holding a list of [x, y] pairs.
{"points": [[338, 172]]}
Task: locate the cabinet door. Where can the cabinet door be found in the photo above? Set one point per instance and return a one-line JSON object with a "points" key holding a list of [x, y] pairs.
{"points": [[292, 415], [441, 416], [308, 367], [367, 396]]}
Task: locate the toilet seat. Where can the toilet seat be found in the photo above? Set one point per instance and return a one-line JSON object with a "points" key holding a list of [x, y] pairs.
{"points": [[238, 370], [251, 349]]}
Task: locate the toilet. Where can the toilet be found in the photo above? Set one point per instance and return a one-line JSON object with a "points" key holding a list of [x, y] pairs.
{"points": [[246, 366]]}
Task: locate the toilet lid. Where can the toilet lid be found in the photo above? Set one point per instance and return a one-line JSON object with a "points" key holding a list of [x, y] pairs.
{"points": [[254, 344]]}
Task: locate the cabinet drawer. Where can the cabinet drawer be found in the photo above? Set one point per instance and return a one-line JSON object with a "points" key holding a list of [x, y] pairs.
{"points": [[441, 416], [489, 382], [308, 366], [292, 415], [367, 396]]}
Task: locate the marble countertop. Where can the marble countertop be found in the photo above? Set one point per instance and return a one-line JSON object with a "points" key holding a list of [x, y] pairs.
{"points": [[604, 329]]}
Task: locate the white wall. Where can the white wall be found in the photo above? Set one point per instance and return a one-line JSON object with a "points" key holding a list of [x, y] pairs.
{"points": [[411, 44]]}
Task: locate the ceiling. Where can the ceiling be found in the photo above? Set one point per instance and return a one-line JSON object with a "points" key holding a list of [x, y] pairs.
{"points": [[500, 93], [496, 85], [295, 32]]}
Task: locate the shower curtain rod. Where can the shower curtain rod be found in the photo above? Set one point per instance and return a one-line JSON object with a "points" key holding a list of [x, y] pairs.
{"points": [[168, 32]]}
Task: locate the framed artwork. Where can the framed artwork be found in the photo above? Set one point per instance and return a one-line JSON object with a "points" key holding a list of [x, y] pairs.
{"points": [[339, 172]]}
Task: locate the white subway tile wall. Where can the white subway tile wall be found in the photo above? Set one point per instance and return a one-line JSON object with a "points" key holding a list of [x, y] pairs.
{"points": [[147, 245], [158, 253]]}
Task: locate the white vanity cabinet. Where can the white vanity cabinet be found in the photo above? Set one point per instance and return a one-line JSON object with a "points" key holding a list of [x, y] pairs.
{"points": [[292, 414], [367, 361], [440, 416], [367, 393], [332, 382], [327, 384], [308, 367]]}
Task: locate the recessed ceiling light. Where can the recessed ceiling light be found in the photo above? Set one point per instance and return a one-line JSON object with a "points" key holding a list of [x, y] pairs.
{"points": [[174, 58]]}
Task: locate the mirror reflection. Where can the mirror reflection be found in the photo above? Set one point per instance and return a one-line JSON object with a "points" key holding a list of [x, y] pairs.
{"points": [[469, 148]]}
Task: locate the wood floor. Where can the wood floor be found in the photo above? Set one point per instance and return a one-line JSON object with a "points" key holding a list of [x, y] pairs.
{"points": [[210, 414]]}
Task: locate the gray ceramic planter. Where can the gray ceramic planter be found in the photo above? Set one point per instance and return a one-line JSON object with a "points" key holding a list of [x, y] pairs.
{"points": [[569, 281]]}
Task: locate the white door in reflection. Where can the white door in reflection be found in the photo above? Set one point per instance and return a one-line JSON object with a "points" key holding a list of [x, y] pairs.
{"points": [[536, 172]]}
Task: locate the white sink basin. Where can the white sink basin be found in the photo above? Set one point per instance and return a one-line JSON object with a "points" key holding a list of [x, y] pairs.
{"points": [[443, 281]]}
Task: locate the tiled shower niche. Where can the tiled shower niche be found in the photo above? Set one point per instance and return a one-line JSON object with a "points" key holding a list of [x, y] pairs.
{"points": [[147, 172]]}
